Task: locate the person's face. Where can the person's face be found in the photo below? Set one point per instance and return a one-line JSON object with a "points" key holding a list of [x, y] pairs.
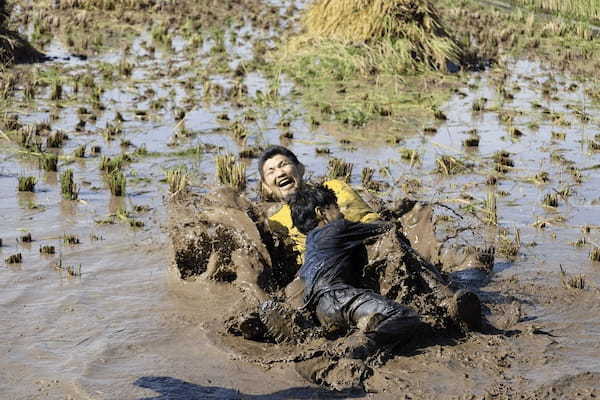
{"points": [[328, 214], [281, 177]]}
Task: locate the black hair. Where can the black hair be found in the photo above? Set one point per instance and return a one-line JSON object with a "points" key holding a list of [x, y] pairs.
{"points": [[271, 152], [303, 204]]}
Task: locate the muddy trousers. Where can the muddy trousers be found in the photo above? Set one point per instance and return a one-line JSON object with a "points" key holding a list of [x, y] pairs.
{"points": [[380, 318]]}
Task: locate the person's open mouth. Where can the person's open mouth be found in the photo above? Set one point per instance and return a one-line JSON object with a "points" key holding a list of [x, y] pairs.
{"points": [[285, 183]]}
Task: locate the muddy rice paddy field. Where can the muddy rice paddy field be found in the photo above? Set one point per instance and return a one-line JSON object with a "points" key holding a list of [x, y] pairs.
{"points": [[92, 307]]}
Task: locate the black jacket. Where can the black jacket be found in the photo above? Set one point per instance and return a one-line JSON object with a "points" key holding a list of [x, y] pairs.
{"points": [[335, 255]]}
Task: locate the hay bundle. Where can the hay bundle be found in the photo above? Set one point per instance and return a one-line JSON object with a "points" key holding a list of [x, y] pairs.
{"points": [[13, 48], [413, 27], [3, 13], [5, 40]]}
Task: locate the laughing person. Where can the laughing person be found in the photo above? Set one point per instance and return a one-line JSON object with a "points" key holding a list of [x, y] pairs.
{"points": [[282, 176]]}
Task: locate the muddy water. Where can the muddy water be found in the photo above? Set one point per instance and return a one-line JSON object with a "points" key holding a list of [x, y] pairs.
{"points": [[127, 328]]}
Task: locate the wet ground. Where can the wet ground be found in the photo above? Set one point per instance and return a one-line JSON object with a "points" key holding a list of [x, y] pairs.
{"points": [[122, 326]]}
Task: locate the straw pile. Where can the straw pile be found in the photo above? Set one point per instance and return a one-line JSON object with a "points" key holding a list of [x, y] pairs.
{"points": [[13, 48], [411, 27], [3, 12], [5, 40]]}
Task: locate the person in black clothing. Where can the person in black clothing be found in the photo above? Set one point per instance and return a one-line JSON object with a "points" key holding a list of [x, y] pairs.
{"points": [[332, 268]]}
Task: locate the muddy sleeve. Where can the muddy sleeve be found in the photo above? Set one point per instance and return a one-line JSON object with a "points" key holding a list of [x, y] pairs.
{"points": [[357, 232]]}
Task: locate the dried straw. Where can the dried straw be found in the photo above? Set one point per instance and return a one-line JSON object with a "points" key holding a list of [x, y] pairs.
{"points": [[13, 48], [413, 27]]}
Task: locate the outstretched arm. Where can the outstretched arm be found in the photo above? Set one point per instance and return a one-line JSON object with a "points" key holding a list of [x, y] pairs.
{"points": [[356, 232]]}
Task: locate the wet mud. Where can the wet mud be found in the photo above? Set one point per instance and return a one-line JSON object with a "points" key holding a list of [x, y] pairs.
{"points": [[220, 242], [143, 295]]}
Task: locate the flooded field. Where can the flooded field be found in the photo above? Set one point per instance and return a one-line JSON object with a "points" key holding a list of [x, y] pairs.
{"points": [[95, 310]]}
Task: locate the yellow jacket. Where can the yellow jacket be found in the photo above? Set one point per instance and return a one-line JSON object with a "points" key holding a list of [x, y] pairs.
{"points": [[351, 205]]}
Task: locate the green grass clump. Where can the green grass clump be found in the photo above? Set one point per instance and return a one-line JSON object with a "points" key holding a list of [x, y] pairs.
{"points": [[550, 200], [321, 66], [110, 132], [47, 250], [141, 151], [352, 53], [178, 180], [490, 209], [572, 281], [339, 169], [70, 239], [503, 162], [366, 176], [14, 259], [124, 215], [56, 139], [410, 155], [479, 104], [507, 247], [27, 183], [68, 188], [588, 10], [48, 162], [448, 165], [110, 165], [231, 172], [240, 132], [72, 271], [80, 151], [595, 254], [56, 90], [116, 183], [27, 138]]}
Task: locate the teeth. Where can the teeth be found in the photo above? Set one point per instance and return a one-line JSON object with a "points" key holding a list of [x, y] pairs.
{"points": [[285, 182]]}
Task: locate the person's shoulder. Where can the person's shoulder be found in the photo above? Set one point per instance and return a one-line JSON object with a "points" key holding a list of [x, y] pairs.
{"points": [[321, 231], [280, 215], [275, 210], [312, 239], [338, 185], [339, 225], [351, 204]]}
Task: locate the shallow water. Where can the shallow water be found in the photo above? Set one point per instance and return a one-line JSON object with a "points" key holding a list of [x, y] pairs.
{"points": [[127, 328]]}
